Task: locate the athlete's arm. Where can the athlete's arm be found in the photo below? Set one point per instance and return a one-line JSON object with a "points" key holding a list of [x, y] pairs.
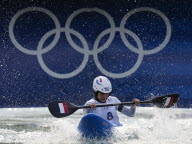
{"points": [[127, 111], [89, 110]]}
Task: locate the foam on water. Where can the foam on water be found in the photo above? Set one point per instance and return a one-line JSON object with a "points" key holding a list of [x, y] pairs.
{"points": [[150, 125]]}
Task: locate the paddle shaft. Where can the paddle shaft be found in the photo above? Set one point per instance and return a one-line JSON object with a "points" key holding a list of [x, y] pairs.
{"points": [[61, 109], [114, 104]]}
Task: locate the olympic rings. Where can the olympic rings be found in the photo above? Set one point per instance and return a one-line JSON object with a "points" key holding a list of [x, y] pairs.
{"points": [[72, 43], [133, 69], [50, 72], [18, 14], [162, 45], [85, 50]]}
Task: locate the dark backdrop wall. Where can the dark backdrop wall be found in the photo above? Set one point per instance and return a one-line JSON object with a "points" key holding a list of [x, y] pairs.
{"points": [[53, 49]]}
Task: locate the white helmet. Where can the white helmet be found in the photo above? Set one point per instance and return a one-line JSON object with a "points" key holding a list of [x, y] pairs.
{"points": [[102, 84]]}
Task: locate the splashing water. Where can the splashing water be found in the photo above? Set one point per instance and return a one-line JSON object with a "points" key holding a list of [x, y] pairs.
{"points": [[149, 126]]}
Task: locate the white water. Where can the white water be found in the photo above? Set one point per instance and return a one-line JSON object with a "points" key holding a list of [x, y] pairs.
{"points": [[149, 126]]}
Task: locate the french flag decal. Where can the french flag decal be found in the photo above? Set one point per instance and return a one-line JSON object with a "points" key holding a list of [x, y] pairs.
{"points": [[169, 101], [63, 107]]}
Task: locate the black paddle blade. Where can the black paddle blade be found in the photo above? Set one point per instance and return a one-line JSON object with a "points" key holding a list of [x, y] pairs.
{"points": [[61, 109], [165, 101]]}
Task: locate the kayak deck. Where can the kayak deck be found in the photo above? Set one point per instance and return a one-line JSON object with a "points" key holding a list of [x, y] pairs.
{"points": [[93, 126]]}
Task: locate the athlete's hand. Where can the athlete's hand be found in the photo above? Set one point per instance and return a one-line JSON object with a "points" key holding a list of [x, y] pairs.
{"points": [[136, 101], [92, 105]]}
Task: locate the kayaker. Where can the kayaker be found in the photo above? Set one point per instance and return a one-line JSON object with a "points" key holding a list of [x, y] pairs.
{"points": [[102, 88]]}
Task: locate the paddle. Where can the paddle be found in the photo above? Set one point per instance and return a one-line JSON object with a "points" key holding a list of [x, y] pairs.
{"points": [[61, 109]]}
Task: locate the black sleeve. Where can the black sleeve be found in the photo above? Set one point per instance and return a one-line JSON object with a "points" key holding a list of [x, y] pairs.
{"points": [[120, 107]]}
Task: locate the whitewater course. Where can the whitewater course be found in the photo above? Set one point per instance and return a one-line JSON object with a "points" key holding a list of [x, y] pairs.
{"points": [[149, 126]]}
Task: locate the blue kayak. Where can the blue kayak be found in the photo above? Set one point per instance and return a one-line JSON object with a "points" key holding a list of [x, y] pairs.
{"points": [[93, 126]]}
